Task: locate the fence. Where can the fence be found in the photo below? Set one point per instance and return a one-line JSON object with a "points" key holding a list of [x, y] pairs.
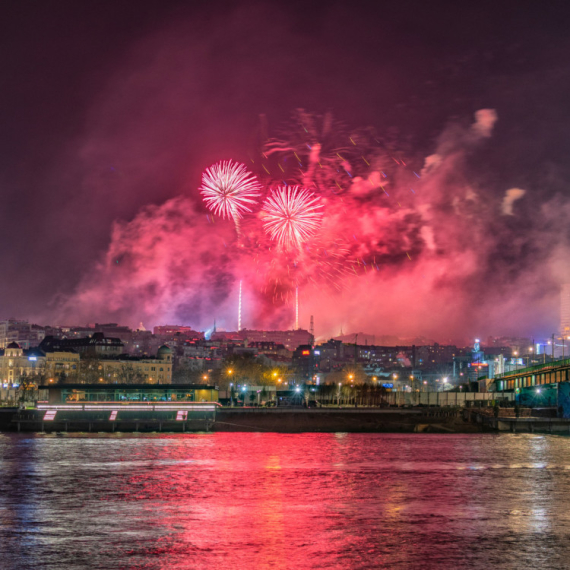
{"points": [[460, 399]]}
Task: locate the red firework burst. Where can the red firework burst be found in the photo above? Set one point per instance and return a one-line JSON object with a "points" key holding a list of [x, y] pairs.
{"points": [[292, 215], [229, 189]]}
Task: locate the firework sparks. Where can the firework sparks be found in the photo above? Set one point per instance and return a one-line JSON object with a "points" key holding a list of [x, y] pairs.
{"points": [[229, 189], [292, 215]]}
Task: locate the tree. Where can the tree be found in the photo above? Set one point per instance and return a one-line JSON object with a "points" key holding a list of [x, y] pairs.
{"points": [[185, 374], [128, 374], [248, 369], [90, 369], [27, 388]]}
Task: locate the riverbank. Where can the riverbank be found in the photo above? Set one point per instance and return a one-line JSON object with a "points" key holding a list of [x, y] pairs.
{"points": [[278, 420], [365, 420]]}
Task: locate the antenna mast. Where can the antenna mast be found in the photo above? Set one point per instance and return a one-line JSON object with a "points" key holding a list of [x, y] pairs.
{"points": [[239, 308]]}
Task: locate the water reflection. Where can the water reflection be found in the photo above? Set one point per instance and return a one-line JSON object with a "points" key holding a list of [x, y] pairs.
{"points": [[284, 501]]}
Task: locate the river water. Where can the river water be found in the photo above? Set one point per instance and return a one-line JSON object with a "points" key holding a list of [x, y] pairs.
{"points": [[247, 501]]}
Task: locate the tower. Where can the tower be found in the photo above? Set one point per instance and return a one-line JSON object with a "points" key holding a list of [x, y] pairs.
{"points": [[239, 308], [312, 329]]}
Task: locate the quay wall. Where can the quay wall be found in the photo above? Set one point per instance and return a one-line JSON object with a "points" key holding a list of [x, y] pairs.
{"points": [[251, 420], [342, 420]]}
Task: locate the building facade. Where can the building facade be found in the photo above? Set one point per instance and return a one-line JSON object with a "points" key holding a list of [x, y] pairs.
{"points": [[17, 364], [23, 333], [131, 369], [289, 339]]}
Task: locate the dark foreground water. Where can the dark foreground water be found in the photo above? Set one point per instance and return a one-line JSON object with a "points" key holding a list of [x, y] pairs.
{"points": [[284, 501]]}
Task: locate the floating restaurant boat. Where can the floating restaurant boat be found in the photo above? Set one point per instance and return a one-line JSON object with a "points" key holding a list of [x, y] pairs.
{"points": [[121, 407]]}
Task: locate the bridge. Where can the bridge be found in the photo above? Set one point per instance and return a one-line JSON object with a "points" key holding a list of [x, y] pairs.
{"points": [[545, 385]]}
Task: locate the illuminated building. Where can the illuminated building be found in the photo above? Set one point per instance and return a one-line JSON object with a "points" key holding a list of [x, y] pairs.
{"points": [[20, 332], [77, 393], [153, 370], [289, 339], [168, 330], [17, 363], [95, 345], [306, 361]]}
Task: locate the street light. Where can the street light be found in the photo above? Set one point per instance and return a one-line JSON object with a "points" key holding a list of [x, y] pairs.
{"points": [[395, 377]]}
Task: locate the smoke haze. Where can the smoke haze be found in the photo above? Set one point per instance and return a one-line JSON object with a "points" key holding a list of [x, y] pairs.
{"points": [[104, 149]]}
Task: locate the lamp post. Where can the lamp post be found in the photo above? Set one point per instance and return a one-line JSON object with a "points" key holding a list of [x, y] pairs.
{"points": [[530, 349], [338, 395], [230, 372]]}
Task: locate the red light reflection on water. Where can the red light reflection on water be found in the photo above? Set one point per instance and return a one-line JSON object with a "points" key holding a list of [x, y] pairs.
{"points": [[281, 501]]}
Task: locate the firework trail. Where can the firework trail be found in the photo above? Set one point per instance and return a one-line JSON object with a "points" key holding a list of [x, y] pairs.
{"points": [[229, 190], [292, 215]]}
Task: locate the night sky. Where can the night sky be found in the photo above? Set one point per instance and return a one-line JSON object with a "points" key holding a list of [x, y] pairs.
{"points": [[108, 108]]}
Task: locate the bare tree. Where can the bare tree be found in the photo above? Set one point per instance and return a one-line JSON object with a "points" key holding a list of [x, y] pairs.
{"points": [[128, 374], [90, 369]]}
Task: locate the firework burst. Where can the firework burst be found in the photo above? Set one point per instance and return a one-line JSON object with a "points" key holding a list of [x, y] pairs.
{"points": [[292, 215], [229, 189]]}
